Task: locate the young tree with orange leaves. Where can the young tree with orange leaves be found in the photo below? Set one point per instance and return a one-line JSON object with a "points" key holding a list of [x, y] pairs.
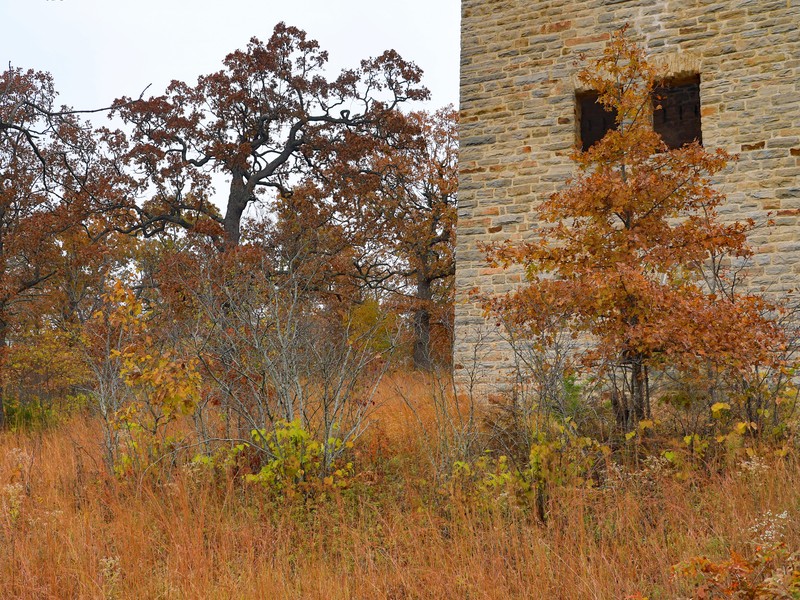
{"points": [[625, 247]]}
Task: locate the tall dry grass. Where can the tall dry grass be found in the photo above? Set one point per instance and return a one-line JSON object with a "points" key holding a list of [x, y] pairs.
{"points": [[69, 531]]}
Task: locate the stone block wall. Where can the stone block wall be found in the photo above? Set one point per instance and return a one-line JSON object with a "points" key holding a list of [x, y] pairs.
{"points": [[519, 123]]}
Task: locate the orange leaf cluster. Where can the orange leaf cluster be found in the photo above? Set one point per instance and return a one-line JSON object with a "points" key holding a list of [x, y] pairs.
{"points": [[632, 251]]}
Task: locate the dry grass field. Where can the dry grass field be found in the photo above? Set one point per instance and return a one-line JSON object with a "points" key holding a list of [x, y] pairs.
{"points": [[396, 530]]}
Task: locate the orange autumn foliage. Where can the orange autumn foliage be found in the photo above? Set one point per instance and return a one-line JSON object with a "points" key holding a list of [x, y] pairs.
{"points": [[632, 251]]}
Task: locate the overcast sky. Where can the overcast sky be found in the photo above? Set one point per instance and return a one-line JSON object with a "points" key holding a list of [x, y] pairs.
{"points": [[98, 50]]}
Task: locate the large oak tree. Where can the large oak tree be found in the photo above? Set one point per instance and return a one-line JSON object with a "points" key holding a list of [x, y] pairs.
{"points": [[271, 116]]}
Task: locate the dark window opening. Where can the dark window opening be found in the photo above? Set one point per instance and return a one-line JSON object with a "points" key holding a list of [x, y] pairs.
{"points": [[676, 112], [595, 120]]}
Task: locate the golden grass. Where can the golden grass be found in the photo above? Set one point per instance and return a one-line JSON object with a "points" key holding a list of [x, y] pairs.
{"points": [[69, 531]]}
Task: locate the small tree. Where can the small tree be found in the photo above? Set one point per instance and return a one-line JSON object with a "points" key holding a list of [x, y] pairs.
{"points": [[626, 245], [275, 345], [420, 210], [137, 386], [388, 217], [56, 171]]}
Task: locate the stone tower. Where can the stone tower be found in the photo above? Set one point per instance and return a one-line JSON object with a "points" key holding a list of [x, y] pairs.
{"points": [[734, 82]]}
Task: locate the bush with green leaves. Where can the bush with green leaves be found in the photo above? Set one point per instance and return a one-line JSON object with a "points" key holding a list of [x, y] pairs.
{"points": [[296, 461]]}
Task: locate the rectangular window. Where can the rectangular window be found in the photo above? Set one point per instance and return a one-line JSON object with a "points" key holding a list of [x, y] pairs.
{"points": [[676, 112], [595, 121]]}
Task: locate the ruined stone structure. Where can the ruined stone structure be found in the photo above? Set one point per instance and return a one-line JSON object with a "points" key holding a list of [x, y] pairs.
{"points": [[522, 112]]}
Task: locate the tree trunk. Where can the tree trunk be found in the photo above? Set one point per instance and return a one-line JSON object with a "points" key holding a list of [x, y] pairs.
{"points": [[238, 197], [630, 398], [619, 406], [640, 390], [3, 344], [422, 324]]}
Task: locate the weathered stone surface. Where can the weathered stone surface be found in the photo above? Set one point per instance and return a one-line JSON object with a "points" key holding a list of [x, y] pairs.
{"points": [[518, 116]]}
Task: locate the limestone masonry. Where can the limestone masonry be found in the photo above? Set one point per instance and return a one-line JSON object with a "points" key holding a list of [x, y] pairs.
{"points": [[520, 118]]}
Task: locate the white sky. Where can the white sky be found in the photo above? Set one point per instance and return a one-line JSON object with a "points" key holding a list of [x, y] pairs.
{"points": [[98, 50]]}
